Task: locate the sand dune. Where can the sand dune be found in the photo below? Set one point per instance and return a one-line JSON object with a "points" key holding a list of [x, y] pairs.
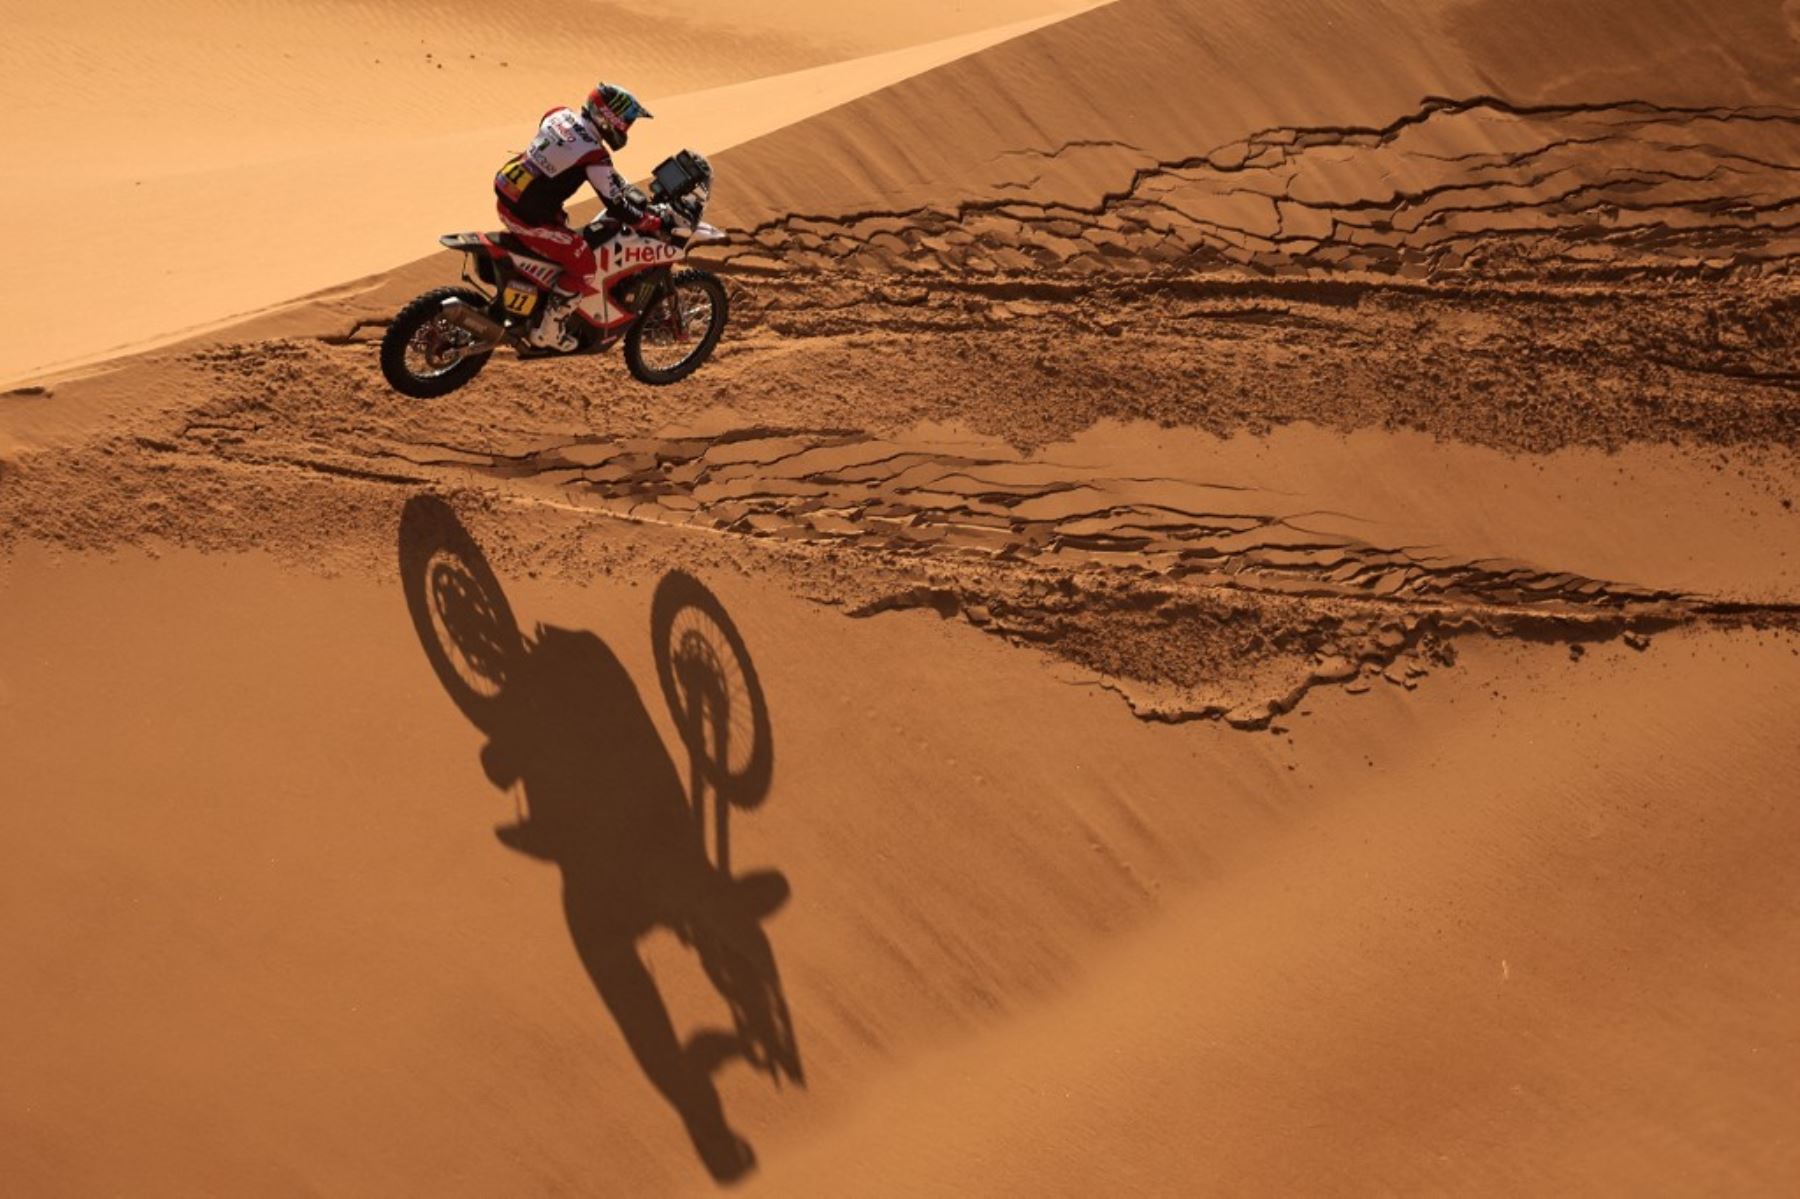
{"points": [[306, 71], [1361, 1005], [1341, 972], [1568, 149], [325, 143], [1105, 99], [1223, 621]]}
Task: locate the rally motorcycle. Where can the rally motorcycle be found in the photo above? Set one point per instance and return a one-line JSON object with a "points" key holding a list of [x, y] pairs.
{"points": [[670, 320]]}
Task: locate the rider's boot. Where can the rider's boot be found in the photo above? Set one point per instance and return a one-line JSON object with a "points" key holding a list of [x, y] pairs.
{"points": [[552, 329]]}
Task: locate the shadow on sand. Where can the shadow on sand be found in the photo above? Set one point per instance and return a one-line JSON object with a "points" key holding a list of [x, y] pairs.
{"points": [[639, 848]]}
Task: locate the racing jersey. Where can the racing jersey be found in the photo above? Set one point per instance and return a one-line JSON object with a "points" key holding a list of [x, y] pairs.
{"points": [[566, 152]]}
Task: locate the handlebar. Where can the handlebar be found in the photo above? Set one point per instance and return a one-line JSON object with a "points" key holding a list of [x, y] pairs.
{"points": [[602, 230], [598, 233]]}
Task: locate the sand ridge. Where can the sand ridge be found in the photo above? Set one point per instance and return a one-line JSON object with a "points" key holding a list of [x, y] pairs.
{"points": [[1100, 83], [1479, 188], [1196, 593], [275, 150]]}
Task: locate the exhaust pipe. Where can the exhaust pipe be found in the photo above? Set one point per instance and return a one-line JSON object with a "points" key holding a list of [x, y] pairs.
{"points": [[487, 332]]}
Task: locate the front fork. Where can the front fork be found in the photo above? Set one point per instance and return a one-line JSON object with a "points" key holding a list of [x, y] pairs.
{"points": [[669, 297]]}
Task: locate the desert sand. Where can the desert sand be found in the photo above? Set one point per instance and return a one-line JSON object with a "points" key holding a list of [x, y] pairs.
{"points": [[217, 158], [1224, 620]]}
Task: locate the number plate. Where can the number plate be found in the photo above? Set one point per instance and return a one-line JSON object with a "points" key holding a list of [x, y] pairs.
{"points": [[520, 300]]}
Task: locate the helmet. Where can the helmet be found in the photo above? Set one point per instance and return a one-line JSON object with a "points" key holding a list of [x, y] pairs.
{"points": [[612, 110]]}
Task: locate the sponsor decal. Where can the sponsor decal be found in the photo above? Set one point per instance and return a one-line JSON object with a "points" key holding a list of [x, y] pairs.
{"points": [[514, 177], [648, 255]]}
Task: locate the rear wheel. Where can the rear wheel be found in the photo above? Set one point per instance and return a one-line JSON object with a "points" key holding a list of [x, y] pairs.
{"points": [[679, 331], [425, 356]]}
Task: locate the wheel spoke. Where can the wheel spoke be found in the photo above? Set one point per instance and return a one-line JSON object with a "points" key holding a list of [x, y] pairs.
{"points": [[423, 355], [436, 348], [675, 330]]}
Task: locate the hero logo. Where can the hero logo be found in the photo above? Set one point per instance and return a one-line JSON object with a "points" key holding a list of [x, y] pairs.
{"points": [[647, 255]]}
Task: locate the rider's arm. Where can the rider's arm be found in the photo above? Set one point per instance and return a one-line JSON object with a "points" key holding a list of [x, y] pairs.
{"points": [[614, 193]]}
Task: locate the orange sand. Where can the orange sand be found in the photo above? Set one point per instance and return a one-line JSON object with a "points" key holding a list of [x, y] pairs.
{"points": [[1223, 621]]}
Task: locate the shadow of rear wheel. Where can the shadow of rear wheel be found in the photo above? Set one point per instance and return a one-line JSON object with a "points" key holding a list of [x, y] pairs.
{"points": [[459, 609]]}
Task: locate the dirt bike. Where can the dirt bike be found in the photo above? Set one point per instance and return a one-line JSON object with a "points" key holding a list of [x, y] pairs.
{"points": [[670, 320]]}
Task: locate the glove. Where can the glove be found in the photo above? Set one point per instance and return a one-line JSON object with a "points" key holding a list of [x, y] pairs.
{"points": [[657, 220]]}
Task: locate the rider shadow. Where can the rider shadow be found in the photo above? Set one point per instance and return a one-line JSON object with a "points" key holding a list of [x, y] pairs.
{"points": [[605, 803]]}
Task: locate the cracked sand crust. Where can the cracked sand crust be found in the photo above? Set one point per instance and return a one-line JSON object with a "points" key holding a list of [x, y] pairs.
{"points": [[1574, 192], [1529, 278]]}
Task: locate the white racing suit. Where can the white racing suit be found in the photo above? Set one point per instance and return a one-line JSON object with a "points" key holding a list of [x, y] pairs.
{"points": [[531, 190]]}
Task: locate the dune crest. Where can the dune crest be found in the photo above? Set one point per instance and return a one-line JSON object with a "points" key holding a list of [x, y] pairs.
{"points": [[327, 146], [1100, 81]]}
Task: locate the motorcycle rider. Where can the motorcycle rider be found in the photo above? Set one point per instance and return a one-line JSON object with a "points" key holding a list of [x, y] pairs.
{"points": [[571, 147]]}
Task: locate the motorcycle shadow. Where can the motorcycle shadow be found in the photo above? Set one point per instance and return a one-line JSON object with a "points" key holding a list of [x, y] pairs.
{"points": [[638, 848]]}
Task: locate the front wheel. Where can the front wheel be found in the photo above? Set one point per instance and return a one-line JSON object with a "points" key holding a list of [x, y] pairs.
{"points": [[423, 355], [678, 332]]}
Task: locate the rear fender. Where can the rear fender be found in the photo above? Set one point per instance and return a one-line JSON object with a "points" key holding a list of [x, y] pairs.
{"points": [[472, 243], [482, 249]]}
